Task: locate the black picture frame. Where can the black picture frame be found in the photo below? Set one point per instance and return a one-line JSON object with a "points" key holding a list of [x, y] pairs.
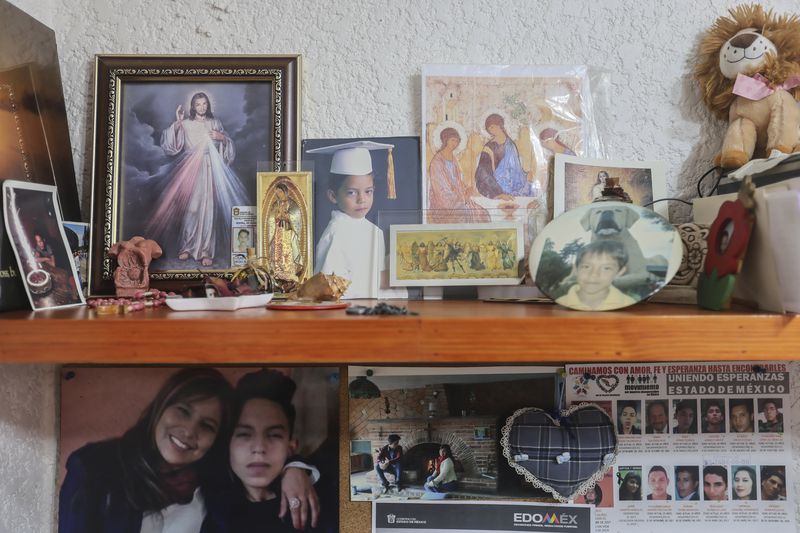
{"points": [[257, 100]]}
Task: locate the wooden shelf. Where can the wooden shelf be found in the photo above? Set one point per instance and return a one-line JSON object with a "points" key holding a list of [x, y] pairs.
{"points": [[444, 332]]}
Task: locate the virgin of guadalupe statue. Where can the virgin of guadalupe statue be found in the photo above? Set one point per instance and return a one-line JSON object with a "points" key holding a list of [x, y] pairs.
{"points": [[285, 225]]}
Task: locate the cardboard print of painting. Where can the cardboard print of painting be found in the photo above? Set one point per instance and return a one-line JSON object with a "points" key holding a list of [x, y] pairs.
{"points": [[33, 222], [284, 222], [422, 410], [455, 254], [604, 256], [119, 425], [579, 181], [489, 136]]}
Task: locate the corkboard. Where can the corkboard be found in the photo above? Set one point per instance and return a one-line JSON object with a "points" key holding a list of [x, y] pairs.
{"points": [[354, 517]]}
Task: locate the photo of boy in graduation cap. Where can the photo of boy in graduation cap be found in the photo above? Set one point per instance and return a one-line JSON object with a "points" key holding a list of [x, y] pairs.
{"points": [[354, 182]]}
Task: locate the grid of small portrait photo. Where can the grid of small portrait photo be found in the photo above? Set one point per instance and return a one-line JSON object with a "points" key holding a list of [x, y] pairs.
{"points": [[744, 482], [715, 415], [712, 482]]}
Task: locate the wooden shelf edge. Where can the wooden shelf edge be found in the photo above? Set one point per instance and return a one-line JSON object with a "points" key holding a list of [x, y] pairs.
{"points": [[443, 333]]}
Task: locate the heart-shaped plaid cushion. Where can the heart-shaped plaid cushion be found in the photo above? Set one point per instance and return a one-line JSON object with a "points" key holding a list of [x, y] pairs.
{"points": [[535, 442]]}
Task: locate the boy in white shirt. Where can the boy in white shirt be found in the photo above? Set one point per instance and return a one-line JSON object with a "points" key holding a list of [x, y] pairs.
{"points": [[351, 246]]}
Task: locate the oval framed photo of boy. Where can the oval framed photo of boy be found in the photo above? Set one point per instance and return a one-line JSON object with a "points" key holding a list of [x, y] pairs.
{"points": [[605, 256]]}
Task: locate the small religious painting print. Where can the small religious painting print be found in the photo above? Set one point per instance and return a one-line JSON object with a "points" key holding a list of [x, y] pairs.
{"points": [[489, 137], [456, 254], [579, 181]]}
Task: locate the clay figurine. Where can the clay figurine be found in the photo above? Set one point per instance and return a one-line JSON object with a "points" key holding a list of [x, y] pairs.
{"points": [[133, 261]]}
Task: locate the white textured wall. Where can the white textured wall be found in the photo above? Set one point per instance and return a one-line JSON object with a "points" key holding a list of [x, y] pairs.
{"points": [[363, 57], [28, 448], [361, 78]]}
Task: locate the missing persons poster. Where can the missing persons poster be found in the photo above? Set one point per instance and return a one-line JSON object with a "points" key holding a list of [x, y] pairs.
{"points": [[701, 446], [479, 516]]}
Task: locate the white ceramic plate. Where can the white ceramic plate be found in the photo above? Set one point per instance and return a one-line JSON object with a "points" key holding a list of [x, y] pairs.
{"points": [[224, 303]]}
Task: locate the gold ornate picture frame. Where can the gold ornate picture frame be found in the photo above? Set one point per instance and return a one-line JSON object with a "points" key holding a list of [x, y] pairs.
{"points": [[285, 223], [177, 145]]}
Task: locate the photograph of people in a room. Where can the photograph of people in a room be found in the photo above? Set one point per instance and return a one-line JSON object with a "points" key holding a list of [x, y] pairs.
{"points": [[199, 449], [434, 433]]}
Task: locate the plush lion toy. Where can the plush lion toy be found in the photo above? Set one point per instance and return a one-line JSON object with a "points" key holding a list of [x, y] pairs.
{"points": [[749, 69]]}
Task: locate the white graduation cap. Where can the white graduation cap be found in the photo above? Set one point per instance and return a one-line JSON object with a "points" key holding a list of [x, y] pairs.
{"points": [[354, 159]]}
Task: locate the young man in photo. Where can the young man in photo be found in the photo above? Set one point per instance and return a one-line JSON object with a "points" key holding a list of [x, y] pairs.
{"points": [[388, 458], [741, 416], [713, 417], [773, 484], [687, 483], [773, 419], [659, 481], [685, 416], [715, 483]]}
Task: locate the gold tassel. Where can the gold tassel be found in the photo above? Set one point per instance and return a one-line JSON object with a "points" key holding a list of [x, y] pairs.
{"points": [[392, 194]]}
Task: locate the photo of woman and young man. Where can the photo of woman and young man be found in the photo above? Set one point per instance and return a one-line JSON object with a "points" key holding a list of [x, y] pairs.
{"points": [[198, 450]]}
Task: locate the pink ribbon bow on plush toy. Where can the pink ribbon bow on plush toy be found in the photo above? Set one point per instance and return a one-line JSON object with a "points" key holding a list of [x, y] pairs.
{"points": [[758, 87]]}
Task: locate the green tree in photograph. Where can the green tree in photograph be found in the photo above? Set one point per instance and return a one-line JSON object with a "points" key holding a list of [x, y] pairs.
{"points": [[553, 267]]}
